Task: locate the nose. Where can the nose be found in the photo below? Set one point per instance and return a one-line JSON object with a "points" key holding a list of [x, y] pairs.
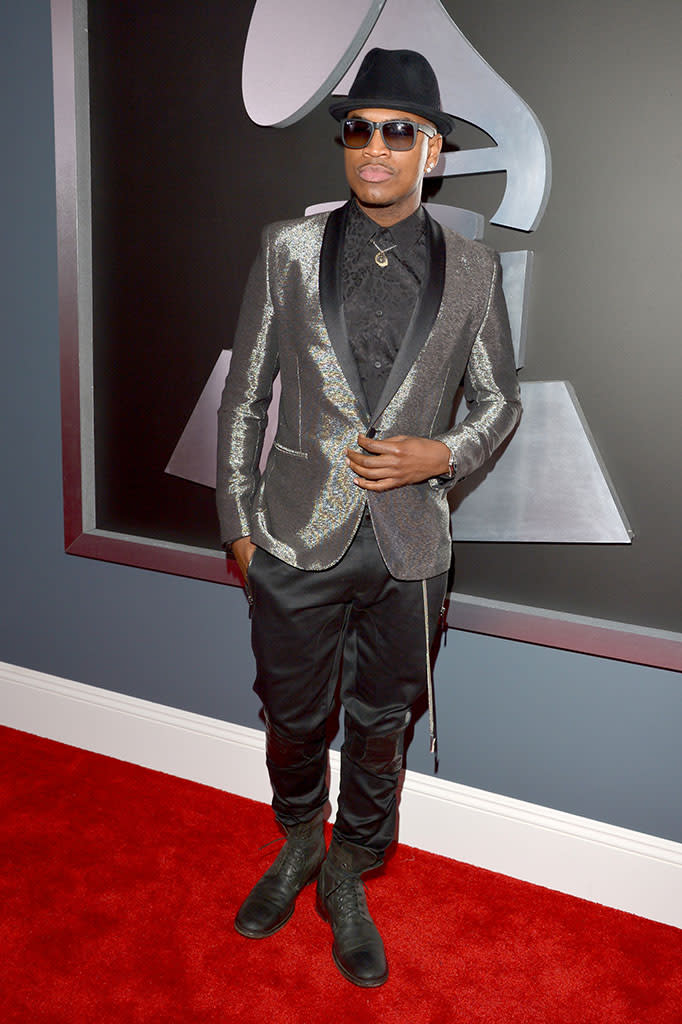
{"points": [[376, 146]]}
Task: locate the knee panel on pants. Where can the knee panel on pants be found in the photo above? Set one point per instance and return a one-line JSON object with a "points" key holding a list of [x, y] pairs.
{"points": [[286, 752], [382, 755]]}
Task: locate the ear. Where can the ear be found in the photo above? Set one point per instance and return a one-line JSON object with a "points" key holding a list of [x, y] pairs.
{"points": [[433, 152]]}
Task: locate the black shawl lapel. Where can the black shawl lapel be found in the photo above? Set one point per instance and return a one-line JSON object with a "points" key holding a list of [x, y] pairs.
{"points": [[331, 300], [423, 317]]}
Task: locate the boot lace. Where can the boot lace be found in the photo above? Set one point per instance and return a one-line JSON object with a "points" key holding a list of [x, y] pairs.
{"points": [[349, 897]]}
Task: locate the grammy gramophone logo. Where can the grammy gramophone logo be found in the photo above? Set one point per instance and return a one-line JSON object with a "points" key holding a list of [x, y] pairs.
{"points": [[299, 52]]}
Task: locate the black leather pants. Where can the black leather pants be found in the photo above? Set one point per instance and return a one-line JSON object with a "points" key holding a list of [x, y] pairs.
{"points": [[303, 622]]}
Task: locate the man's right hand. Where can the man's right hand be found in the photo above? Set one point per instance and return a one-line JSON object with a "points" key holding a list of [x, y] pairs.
{"points": [[243, 550]]}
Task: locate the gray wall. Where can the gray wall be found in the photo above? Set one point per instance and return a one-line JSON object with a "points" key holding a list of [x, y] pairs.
{"points": [[584, 735]]}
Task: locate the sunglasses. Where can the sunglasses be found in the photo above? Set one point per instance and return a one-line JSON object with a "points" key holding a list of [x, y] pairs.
{"points": [[357, 132]]}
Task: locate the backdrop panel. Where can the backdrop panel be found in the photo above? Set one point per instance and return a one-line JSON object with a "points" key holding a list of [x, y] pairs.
{"points": [[158, 156]]}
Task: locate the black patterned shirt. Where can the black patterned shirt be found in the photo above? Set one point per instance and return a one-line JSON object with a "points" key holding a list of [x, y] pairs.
{"points": [[378, 302]]}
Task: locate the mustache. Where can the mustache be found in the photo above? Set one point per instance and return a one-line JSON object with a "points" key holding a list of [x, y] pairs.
{"points": [[376, 163]]}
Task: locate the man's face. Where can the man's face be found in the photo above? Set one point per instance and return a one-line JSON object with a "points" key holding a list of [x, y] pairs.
{"points": [[387, 183]]}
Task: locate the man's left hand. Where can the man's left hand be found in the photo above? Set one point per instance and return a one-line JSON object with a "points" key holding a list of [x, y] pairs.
{"points": [[397, 461]]}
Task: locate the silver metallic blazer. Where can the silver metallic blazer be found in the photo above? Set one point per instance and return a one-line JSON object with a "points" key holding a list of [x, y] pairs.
{"points": [[305, 508]]}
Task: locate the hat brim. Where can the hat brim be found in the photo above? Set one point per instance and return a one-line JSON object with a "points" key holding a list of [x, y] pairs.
{"points": [[343, 106]]}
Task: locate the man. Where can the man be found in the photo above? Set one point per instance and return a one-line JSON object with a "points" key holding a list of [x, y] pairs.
{"points": [[372, 315]]}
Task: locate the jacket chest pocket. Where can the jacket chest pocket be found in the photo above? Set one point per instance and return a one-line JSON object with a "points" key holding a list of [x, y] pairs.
{"points": [[290, 451]]}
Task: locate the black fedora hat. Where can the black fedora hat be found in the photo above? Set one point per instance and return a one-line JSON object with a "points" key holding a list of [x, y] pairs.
{"points": [[396, 80]]}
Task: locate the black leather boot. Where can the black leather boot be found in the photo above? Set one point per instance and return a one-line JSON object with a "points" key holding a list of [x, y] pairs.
{"points": [[271, 902], [358, 950]]}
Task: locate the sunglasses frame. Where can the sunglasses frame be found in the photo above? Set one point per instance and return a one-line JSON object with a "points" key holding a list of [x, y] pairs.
{"points": [[417, 125]]}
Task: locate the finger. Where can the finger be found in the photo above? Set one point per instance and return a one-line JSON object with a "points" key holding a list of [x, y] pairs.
{"points": [[376, 485], [369, 461], [374, 472], [385, 440], [373, 444]]}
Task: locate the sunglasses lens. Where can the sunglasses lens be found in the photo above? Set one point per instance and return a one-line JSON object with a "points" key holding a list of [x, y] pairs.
{"points": [[356, 133], [399, 134]]}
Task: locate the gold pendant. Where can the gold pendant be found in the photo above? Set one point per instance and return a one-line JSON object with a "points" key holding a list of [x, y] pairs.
{"points": [[381, 259]]}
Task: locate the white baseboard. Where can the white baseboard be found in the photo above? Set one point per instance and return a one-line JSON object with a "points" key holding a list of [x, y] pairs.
{"points": [[603, 863]]}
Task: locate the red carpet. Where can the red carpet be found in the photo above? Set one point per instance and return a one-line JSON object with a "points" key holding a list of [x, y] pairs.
{"points": [[119, 886]]}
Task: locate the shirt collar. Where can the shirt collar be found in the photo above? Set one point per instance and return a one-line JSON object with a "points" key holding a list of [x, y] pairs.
{"points": [[405, 233]]}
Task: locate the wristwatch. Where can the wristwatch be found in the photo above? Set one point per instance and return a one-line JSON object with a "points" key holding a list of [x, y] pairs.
{"points": [[452, 468]]}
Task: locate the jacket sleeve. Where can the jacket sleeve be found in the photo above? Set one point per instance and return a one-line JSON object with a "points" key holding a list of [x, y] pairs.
{"points": [[243, 412], [491, 388]]}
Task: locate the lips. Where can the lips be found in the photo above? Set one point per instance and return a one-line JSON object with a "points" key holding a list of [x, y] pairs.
{"points": [[374, 172]]}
